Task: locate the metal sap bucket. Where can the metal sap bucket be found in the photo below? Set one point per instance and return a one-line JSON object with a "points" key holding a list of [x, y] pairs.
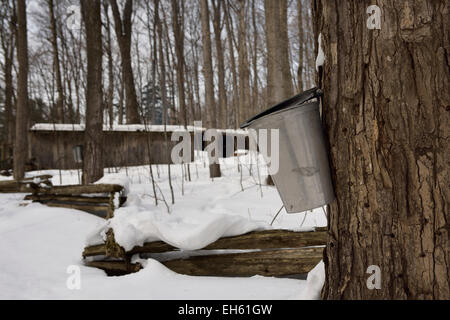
{"points": [[303, 179]]}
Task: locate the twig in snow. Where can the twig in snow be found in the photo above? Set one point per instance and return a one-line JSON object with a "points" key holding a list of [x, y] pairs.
{"points": [[273, 220], [304, 218]]}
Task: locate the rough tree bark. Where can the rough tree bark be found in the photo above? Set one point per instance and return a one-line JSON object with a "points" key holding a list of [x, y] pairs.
{"points": [[93, 134], [123, 26], [279, 79], [386, 113], [7, 40], [22, 110]]}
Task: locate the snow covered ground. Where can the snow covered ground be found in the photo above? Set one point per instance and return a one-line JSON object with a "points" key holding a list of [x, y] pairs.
{"points": [[38, 244]]}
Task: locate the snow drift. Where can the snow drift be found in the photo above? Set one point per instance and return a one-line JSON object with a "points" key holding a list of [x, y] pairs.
{"points": [[133, 227]]}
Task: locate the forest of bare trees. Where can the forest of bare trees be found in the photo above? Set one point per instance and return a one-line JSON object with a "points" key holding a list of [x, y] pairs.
{"points": [[215, 61]]}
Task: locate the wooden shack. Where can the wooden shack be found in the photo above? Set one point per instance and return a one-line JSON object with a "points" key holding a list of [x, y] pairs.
{"points": [[52, 146]]}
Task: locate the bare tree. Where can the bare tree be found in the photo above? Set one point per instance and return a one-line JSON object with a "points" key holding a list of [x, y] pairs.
{"points": [[231, 48], [178, 32], [207, 63], [93, 134], [218, 26], [301, 40], [163, 86], [279, 79], [7, 41], [214, 168], [56, 63], [243, 64], [108, 49], [21, 139], [123, 27]]}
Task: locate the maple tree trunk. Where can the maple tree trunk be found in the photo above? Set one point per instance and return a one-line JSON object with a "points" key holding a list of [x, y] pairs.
{"points": [[386, 113], [279, 79], [93, 134]]}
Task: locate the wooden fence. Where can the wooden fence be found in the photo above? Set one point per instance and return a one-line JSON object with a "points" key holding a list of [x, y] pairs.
{"points": [[98, 199], [270, 253]]}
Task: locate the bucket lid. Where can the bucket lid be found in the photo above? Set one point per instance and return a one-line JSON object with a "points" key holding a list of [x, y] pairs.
{"points": [[297, 100]]}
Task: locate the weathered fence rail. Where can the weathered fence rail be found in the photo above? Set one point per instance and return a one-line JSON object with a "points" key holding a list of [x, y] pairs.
{"points": [[98, 199], [26, 185], [274, 253]]}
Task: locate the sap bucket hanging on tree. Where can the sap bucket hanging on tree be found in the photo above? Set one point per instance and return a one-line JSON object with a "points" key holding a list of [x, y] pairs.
{"points": [[303, 179]]}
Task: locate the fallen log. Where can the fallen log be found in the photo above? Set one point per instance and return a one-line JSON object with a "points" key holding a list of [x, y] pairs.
{"points": [[265, 263], [268, 239]]}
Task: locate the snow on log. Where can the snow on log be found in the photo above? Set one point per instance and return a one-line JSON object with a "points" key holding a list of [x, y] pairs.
{"points": [[267, 239]]}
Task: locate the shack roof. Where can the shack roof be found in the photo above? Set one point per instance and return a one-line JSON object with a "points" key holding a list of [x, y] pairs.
{"points": [[127, 128]]}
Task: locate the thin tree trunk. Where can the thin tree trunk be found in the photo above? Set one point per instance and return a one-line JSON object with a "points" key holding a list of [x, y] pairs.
{"points": [[178, 32], [279, 79], [207, 63], [93, 134], [21, 141], [110, 95], [301, 40], [123, 29], [385, 107], [7, 38], [56, 65], [230, 36], [121, 101], [214, 168], [244, 73], [217, 26], [163, 85], [255, 101], [283, 46]]}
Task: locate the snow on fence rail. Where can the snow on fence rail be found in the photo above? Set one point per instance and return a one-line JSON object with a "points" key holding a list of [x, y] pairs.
{"points": [[279, 253], [101, 198], [98, 199]]}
